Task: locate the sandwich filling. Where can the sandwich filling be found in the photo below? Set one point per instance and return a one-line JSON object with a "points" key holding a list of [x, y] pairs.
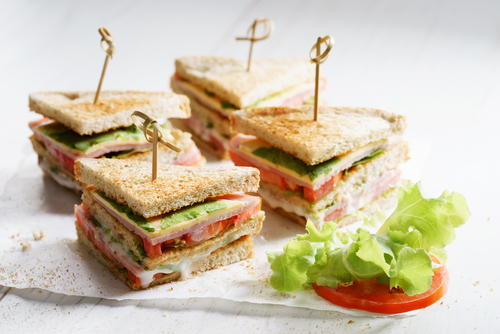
{"points": [[293, 97], [317, 191], [66, 146], [183, 228]]}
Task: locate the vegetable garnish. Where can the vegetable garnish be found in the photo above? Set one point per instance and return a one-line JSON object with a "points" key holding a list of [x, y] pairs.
{"points": [[398, 255]]}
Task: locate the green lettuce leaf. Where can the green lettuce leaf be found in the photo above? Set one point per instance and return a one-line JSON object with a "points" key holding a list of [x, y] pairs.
{"points": [[332, 272], [191, 212], [372, 156], [398, 254], [280, 157], [68, 137], [435, 219], [139, 220], [412, 272], [290, 266]]}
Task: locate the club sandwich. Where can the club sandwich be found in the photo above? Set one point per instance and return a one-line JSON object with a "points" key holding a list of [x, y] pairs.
{"points": [[74, 128], [189, 220], [217, 87], [322, 170]]}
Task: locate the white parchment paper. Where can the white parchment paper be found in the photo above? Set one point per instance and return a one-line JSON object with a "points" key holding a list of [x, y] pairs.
{"points": [[58, 263]]}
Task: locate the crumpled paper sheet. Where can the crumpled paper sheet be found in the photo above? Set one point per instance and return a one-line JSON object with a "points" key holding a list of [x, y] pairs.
{"points": [[58, 263]]}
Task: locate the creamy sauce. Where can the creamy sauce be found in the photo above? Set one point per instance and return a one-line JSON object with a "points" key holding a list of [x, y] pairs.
{"points": [[61, 178]]}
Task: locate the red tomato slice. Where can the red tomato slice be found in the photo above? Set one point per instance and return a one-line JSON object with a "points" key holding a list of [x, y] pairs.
{"points": [[265, 175], [315, 195], [136, 280], [152, 250], [239, 161], [213, 229], [244, 216], [273, 178], [372, 296]]}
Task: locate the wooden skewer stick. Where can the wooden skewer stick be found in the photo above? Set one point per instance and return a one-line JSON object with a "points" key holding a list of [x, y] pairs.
{"points": [[318, 60], [110, 50], [154, 137], [268, 31]]}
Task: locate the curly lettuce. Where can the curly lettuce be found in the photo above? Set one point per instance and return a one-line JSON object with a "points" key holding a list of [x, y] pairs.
{"points": [[398, 254]]}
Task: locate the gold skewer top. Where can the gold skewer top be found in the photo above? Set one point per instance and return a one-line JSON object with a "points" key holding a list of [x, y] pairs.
{"points": [[268, 31], [154, 136], [318, 60], [110, 50]]}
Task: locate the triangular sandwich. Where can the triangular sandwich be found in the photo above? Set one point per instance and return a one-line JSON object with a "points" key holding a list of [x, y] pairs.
{"points": [[321, 170], [189, 220], [74, 128]]}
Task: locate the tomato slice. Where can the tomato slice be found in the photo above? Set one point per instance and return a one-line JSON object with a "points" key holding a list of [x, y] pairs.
{"points": [[136, 280], [315, 195], [150, 249], [211, 230], [265, 175], [372, 296]]}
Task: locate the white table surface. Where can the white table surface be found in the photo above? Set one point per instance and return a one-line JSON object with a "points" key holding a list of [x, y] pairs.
{"points": [[437, 62]]}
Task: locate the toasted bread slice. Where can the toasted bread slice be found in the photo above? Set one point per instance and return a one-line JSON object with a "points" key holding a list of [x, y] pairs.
{"points": [[129, 183], [238, 250], [338, 130], [229, 79], [77, 110]]}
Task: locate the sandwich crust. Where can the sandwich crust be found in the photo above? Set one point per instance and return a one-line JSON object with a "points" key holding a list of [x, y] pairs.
{"points": [[129, 183], [228, 78], [338, 130], [76, 109]]}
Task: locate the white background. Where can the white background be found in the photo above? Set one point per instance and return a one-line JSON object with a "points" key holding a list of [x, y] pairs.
{"points": [[436, 62]]}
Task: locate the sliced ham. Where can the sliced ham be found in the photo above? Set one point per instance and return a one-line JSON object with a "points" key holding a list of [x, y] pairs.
{"points": [[190, 158], [372, 191], [250, 201], [348, 204], [208, 135]]}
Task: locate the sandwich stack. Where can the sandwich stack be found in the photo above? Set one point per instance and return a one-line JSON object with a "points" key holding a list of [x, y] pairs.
{"points": [[189, 220], [321, 170], [217, 87], [74, 128]]}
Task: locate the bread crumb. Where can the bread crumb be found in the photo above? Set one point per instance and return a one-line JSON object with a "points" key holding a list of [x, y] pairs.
{"points": [[351, 322], [476, 283], [38, 235], [25, 245]]}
